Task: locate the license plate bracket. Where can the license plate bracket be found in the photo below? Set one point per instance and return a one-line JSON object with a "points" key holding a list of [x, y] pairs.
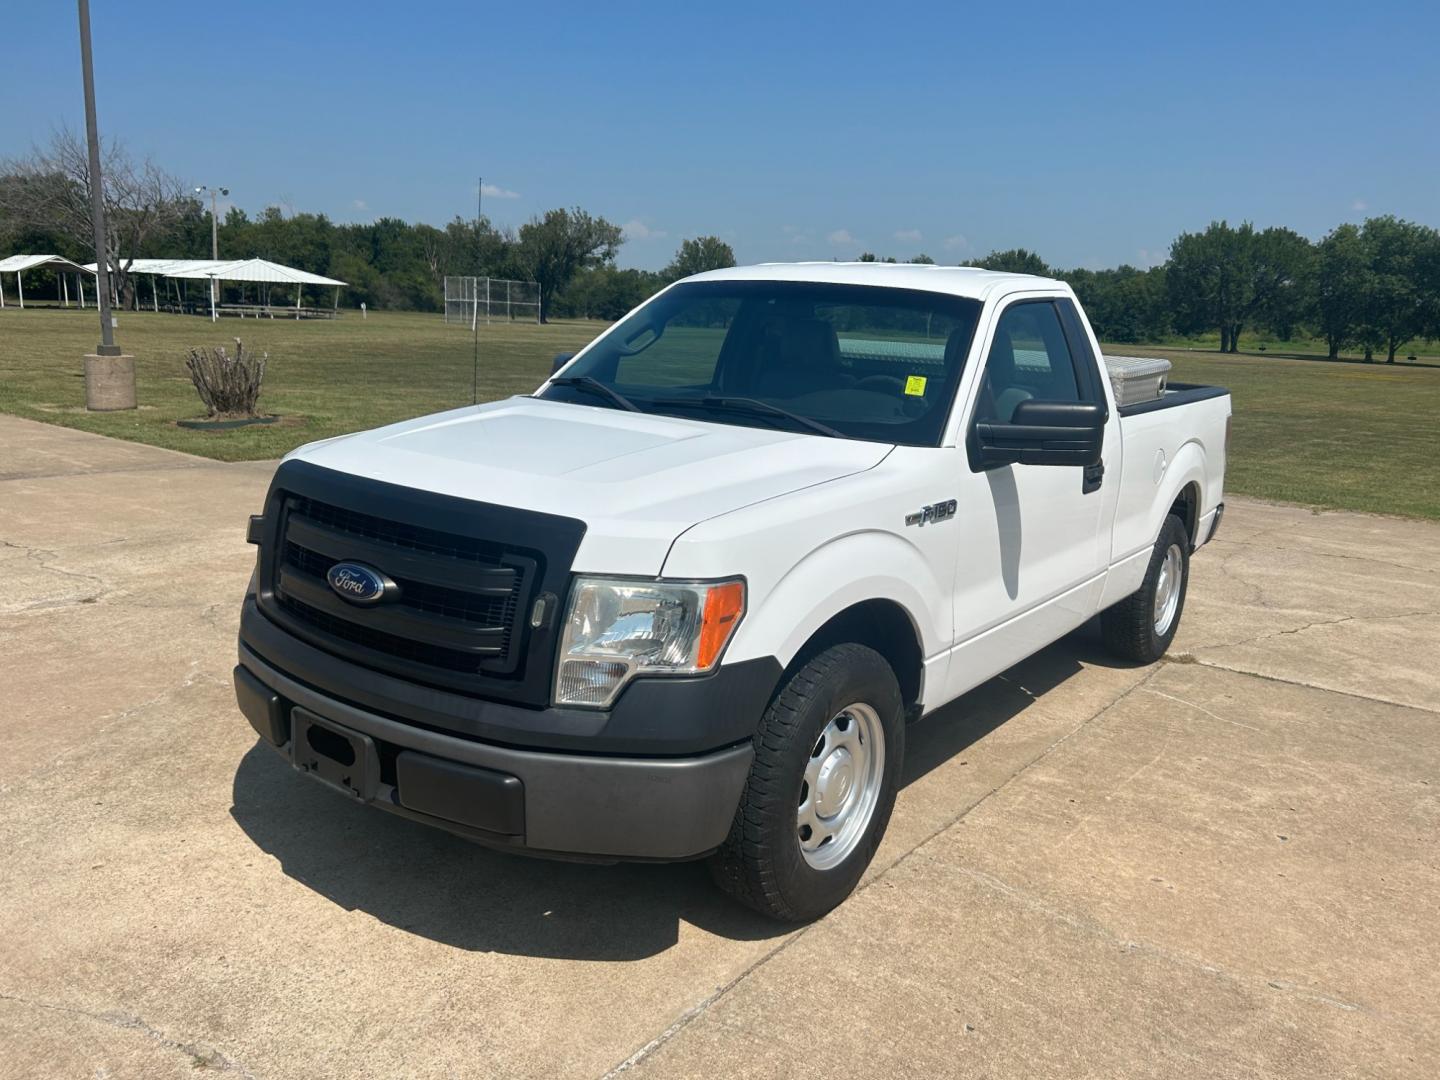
{"points": [[335, 755]]}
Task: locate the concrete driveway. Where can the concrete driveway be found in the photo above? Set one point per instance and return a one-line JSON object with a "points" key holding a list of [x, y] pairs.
{"points": [[1221, 865]]}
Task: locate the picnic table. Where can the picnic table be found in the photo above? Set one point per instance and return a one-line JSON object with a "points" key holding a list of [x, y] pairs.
{"points": [[268, 311]]}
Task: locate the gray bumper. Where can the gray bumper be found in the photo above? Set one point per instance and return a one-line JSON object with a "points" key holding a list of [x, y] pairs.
{"points": [[538, 801]]}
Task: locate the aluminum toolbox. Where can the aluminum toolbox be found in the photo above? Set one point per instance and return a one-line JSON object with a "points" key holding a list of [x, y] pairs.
{"points": [[1137, 378]]}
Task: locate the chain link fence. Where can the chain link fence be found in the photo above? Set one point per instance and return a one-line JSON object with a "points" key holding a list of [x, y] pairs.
{"points": [[469, 300]]}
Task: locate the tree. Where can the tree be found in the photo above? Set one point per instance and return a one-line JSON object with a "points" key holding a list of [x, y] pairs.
{"points": [[1395, 308], [554, 248], [1015, 261], [142, 201], [1281, 269], [922, 260], [1342, 271], [1124, 304], [1228, 278], [605, 292], [1207, 280], [698, 255]]}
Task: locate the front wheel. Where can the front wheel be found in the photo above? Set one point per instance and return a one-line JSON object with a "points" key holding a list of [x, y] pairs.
{"points": [[827, 766], [1142, 626]]}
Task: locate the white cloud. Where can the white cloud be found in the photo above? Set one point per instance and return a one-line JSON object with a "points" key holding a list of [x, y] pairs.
{"points": [[909, 236], [841, 238], [635, 229], [495, 191], [360, 204], [1359, 204], [957, 242]]}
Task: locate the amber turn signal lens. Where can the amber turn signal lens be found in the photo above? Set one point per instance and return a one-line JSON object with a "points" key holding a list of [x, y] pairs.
{"points": [[724, 604]]}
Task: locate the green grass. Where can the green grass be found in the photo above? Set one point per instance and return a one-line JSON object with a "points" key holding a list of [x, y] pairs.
{"points": [[1339, 434], [324, 378], [1344, 435]]}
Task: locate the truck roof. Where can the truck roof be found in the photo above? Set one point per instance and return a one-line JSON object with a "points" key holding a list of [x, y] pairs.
{"points": [[967, 281]]}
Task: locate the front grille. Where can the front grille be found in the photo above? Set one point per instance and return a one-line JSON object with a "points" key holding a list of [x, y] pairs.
{"points": [[461, 604]]}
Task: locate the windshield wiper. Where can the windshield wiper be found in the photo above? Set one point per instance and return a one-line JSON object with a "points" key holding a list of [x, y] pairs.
{"points": [[598, 388], [750, 405]]}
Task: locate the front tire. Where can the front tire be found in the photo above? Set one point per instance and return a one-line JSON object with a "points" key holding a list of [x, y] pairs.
{"points": [[828, 754], [1142, 626]]}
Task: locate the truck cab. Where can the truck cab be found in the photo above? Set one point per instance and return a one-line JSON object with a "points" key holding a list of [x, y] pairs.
{"points": [[683, 600]]}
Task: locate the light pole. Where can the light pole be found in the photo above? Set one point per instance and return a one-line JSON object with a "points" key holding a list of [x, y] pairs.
{"points": [[109, 374], [215, 193]]}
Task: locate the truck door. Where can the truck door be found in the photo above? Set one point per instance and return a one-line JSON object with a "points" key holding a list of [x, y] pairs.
{"points": [[1032, 554]]}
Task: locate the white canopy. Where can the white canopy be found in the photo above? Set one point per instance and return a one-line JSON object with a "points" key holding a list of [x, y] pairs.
{"points": [[262, 270], [165, 267], [18, 264], [250, 270]]}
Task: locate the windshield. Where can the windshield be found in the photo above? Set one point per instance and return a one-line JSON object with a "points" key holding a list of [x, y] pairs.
{"points": [[851, 361]]}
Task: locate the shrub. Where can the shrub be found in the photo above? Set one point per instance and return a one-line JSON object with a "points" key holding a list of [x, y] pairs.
{"points": [[228, 385]]}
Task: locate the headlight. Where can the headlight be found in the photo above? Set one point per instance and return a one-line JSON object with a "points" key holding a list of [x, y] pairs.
{"points": [[616, 629]]}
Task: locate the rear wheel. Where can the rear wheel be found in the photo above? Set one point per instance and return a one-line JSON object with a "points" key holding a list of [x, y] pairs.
{"points": [[1142, 626], [827, 767]]}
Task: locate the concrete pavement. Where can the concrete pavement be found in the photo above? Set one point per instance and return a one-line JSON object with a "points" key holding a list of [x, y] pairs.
{"points": [[1222, 865]]}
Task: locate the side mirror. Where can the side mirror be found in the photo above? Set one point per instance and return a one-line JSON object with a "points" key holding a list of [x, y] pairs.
{"points": [[561, 359], [1042, 433]]}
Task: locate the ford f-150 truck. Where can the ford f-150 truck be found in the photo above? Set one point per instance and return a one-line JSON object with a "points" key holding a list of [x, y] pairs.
{"points": [[683, 600]]}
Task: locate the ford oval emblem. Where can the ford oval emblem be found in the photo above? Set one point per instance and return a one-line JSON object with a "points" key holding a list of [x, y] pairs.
{"points": [[358, 583]]}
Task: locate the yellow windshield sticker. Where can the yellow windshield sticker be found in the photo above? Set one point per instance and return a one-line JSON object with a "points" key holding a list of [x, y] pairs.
{"points": [[915, 386]]}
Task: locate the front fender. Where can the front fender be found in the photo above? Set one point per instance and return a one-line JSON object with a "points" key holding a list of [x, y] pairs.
{"points": [[848, 570]]}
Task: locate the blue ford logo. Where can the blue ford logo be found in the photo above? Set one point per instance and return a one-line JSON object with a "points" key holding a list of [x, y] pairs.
{"points": [[358, 583]]}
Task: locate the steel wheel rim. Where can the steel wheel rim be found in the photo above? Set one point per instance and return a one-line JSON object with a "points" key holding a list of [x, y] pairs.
{"points": [[1167, 589], [841, 787]]}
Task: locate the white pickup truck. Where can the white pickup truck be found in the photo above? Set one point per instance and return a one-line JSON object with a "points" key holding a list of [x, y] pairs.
{"points": [[683, 600]]}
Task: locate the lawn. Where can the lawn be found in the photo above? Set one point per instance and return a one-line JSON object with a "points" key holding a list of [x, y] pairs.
{"points": [[1341, 434], [1335, 434], [323, 378]]}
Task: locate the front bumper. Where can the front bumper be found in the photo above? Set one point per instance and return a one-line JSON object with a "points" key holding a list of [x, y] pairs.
{"points": [[539, 801]]}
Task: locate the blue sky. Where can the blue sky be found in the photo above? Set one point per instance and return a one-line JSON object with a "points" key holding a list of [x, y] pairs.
{"points": [[1091, 133]]}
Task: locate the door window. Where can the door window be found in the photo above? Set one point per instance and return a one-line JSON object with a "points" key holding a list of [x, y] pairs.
{"points": [[1029, 360]]}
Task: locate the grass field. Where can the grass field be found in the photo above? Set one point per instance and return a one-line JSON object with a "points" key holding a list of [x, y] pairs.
{"points": [[1336, 434], [324, 378]]}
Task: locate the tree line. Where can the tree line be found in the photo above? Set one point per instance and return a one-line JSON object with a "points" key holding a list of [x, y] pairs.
{"points": [[1373, 286], [387, 263]]}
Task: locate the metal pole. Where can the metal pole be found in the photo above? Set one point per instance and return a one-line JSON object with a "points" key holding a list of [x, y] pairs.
{"points": [[20, 284], [214, 240], [107, 345]]}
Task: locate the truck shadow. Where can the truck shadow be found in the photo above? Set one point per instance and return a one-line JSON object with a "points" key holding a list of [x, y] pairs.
{"points": [[430, 883]]}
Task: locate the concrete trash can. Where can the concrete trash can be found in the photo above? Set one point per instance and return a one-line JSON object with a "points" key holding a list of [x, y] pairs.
{"points": [[109, 383]]}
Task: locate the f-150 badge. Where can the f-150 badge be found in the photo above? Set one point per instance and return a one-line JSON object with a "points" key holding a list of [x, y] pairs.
{"points": [[932, 514]]}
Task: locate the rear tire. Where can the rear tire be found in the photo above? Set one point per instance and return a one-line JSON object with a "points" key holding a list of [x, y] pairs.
{"points": [[1142, 626], [828, 755]]}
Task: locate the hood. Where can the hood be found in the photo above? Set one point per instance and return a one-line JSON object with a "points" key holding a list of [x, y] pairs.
{"points": [[636, 480]]}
